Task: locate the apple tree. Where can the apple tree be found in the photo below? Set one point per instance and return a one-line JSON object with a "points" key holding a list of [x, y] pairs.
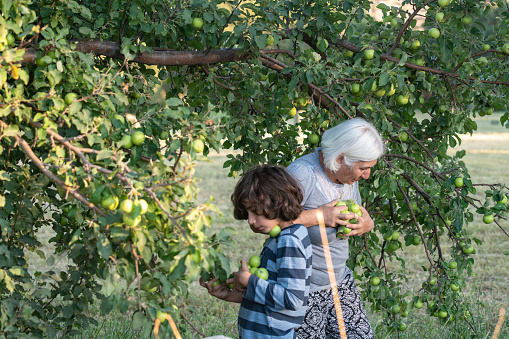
{"points": [[106, 107]]}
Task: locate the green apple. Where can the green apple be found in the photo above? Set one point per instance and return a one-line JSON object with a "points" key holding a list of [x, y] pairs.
{"points": [[394, 246], [262, 273], [270, 40], [126, 141], [368, 106], [254, 261], [439, 16], [69, 98], [401, 100], [395, 309], [355, 89], [458, 182], [322, 44], [109, 202], [198, 23], [126, 206], [466, 20], [454, 287], [433, 281], [486, 47], [442, 314], [468, 248], [415, 44], [489, 111], [374, 281], [313, 138], [434, 33], [349, 54], [416, 240], [137, 138], [10, 39], [380, 93], [401, 327], [403, 136], [40, 62], [347, 230], [418, 304], [453, 265], [291, 111], [354, 208], [488, 218], [395, 236], [198, 145], [130, 221], [505, 48], [301, 101], [392, 91], [443, 3], [274, 232], [143, 205], [369, 54], [503, 201], [161, 315]]}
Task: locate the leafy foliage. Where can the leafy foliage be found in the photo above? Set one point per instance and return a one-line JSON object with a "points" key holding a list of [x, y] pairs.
{"points": [[80, 78]]}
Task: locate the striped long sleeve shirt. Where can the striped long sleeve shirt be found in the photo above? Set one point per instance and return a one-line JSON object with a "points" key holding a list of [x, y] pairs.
{"points": [[273, 308]]}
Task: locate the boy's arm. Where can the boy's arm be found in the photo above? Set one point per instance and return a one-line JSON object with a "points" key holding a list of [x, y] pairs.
{"points": [[288, 292]]}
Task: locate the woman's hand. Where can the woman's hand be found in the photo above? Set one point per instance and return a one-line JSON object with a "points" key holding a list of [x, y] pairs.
{"points": [[364, 224], [332, 215]]}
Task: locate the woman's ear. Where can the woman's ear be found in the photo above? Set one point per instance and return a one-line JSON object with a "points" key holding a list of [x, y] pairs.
{"points": [[340, 159]]}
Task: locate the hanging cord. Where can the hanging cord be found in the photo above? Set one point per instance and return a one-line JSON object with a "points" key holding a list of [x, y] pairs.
{"points": [[332, 276]]}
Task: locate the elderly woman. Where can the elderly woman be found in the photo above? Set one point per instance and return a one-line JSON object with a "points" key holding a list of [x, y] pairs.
{"points": [[331, 173]]}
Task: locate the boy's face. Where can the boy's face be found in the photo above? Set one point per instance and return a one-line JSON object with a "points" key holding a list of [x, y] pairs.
{"points": [[260, 224]]}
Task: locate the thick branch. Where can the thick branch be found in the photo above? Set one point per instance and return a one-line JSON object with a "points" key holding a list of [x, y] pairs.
{"points": [[71, 190]]}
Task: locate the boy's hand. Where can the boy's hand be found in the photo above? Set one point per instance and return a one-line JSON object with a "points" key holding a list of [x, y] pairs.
{"points": [[218, 290], [241, 278]]}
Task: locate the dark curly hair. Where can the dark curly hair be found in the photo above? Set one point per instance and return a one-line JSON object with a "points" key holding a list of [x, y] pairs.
{"points": [[269, 191]]}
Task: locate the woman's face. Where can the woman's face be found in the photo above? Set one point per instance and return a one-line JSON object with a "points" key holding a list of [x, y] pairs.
{"points": [[349, 175]]}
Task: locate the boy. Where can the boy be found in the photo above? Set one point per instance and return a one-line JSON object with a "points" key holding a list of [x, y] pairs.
{"points": [[266, 196]]}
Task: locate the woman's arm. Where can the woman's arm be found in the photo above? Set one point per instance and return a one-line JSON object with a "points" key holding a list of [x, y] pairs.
{"points": [[332, 217]]}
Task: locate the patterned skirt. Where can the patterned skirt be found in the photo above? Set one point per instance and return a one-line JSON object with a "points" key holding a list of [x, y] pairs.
{"points": [[321, 321]]}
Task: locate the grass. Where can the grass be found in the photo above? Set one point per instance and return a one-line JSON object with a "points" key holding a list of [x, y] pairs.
{"points": [[487, 159]]}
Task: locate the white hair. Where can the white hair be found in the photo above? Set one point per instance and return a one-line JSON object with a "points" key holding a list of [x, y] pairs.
{"points": [[357, 139]]}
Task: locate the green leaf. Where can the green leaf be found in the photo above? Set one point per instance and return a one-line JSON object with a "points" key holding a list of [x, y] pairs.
{"points": [[107, 304], [103, 246], [384, 79], [138, 320], [104, 154]]}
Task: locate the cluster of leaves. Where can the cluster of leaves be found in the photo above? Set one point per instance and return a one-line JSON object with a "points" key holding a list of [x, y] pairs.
{"points": [[80, 78]]}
